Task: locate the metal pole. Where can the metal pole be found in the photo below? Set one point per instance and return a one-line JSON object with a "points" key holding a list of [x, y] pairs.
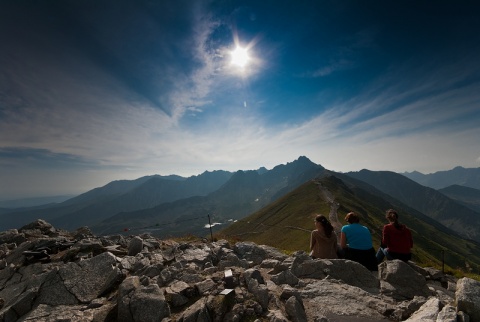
{"points": [[210, 225], [443, 261]]}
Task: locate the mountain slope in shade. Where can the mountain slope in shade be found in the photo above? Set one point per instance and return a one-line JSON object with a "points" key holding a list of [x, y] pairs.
{"points": [[426, 200], [244, 193], [95, 205], [33, 202], [288, 222], [469, 197], [468, 177]]}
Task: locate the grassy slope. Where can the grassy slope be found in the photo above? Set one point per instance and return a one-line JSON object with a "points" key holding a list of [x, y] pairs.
{"points": [[273, 224]]}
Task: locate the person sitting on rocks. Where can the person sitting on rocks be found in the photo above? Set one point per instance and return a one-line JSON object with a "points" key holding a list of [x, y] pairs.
{"points": [[356, 242], [323, 241], [397, 240]]}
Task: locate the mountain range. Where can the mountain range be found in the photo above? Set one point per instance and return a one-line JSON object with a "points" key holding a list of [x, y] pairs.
{"points": [[428, 201], [153, 201], [287, 222], [467, 177], [174, 205]]}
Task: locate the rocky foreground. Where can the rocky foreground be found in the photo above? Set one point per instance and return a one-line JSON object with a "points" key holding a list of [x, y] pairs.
{"points": [[48, 274]]}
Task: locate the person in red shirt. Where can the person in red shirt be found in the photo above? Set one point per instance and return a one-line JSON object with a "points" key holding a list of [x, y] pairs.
{"points": [[397, 240]]}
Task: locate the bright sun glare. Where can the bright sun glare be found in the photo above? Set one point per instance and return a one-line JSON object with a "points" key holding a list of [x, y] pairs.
{"points": [[240, 57]]}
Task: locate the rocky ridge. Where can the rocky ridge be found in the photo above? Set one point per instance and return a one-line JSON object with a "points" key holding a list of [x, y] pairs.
{"points": [[47, 274]]}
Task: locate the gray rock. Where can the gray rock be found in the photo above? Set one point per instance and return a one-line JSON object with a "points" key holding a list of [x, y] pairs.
{"points": [[447, 314], [260, 292], [199, 256], [250, 252], [269, 263], [400, 281], [288, 292], [127, 263], [89, 245], [434, 273], [191, 278], [47, 313], [205, 286], [428, 312], [148, 304], [135, 246], [295, 310], [39, 225], [330, 296], [175, 299], [285, 277], [12, 236], [253, 274], [125, 292], [347, 271], [151, 270], [467, 297], [406, 308], [54, 292], [90, 278], [197, 312], [231, 260], [82, 232], [276, 316]]}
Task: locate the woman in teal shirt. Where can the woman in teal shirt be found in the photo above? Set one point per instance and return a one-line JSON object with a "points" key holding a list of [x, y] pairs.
{"points": [[356, 242]]}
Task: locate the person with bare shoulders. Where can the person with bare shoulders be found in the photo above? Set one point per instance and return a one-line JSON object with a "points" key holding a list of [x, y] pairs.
{"points": [[323, 241], [356, 242], [397, 240]]}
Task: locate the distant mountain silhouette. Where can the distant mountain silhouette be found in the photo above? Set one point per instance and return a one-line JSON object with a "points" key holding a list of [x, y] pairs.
{"points": [[468, 177], [125, 195], [150, 199], [428, 201], [244, 193], [469, 197]]}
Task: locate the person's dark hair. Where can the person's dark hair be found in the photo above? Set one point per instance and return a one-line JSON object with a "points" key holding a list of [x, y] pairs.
{"points": [[392, 216], [327, 226], [352, 218]]}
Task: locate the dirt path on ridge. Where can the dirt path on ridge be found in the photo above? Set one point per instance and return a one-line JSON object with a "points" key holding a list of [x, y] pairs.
{"points": [[333, 215]]}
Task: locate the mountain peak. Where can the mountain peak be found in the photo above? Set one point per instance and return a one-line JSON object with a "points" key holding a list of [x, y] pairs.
{"points": [[303, 159]]}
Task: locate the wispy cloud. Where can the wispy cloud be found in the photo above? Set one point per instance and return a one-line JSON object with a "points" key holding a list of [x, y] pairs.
{"points": [[334, 66], [174, 106]]}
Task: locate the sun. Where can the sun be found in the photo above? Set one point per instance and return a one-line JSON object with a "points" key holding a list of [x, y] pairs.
{"points": [[240, 57]]}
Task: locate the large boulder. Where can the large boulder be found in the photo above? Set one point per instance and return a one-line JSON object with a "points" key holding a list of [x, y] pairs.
{"points": [[349, 272], [333, 297], [90, 278], [135, 246], [148, 304], [401, 282], [140, 303], [257, 253], [467, 297], [38, 228]]}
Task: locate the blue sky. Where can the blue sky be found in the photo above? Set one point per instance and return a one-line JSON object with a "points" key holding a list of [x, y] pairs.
{"points": [[96, 91]]}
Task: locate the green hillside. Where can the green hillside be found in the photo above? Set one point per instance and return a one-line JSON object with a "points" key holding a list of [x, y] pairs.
{"points": [[286, 224]]}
